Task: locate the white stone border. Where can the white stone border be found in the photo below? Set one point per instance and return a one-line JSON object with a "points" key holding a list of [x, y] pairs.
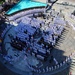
{"points": [[24, 13]]}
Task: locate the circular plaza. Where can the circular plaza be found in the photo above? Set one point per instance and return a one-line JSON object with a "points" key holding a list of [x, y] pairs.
{"points": [[37, 41]]}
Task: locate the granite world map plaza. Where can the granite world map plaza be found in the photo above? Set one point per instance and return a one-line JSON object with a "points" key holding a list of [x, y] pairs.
{"points": [[37, 37]]}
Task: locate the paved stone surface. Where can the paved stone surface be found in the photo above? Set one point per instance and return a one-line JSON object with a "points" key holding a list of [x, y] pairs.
{"points": [[68, 44], [65, 44]]}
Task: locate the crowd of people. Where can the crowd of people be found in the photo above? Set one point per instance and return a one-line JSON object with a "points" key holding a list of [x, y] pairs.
{"points": [[39, 36], [36, 36]]}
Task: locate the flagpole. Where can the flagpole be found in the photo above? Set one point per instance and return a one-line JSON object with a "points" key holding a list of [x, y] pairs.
{"points": [[45, 7]]}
